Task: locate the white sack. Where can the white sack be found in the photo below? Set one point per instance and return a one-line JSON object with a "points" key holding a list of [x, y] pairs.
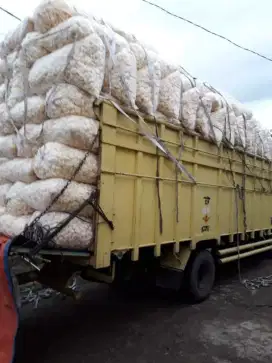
{"points": [[6, 127], [239, 110], [18, 170], [38, 45], [40, 194], [170, 95], [2, 210], [3, 71], [18, 83], [4, 188], [50, 13], [266, 143], [229, 135], [55, 160], [218, 120], [190, 101], [2, 93], [148, 78], [31, 50], [174, 82], [74, 131], [11, 226], [14, 38], [203, 117], [251, 136], [35, 111], [29, 140], [8, 146], [240, 132], [81, 64], [202, 88], [120, 70], [15, 205], [65, 99], [78, 234]]}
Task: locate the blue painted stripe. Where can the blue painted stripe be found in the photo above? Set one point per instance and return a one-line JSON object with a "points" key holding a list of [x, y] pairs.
{"points": [[11, 289]]}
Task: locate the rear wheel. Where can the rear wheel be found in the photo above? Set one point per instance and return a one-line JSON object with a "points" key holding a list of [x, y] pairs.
{"points": [[201, 275]]}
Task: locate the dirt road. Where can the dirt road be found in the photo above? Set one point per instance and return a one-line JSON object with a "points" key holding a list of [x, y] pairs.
{"points": [[234, 325]]}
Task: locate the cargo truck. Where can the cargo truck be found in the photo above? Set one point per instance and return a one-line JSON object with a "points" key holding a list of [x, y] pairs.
{"points": [[154, 223], [151, 219]]}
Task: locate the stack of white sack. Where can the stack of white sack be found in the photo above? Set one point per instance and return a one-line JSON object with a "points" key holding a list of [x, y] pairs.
{"points": [[53, 67], [50, 73]]}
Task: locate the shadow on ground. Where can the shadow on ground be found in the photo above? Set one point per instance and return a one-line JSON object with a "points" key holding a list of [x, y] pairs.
{"points": [[146, 327]]}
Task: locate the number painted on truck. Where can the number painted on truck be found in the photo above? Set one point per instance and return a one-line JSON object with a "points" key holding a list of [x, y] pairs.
{"points": [[205, 229], [206, 214]]}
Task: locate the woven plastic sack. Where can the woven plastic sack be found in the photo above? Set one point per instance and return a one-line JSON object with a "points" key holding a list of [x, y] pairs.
{"points": [[12, 226], [55, 160], [240, 132], [29, 140], [6, 127], [65, 99], [30, 49], [170, 95], [18, 83], [14, 203], [2, 210], [18, 170], [148, 78], [81, 64], [229, 134], [40, 194], [2, 71], [2, 93], [189, 105], [78, 234], [4, 188], [251, 136], [14, 38], [174, 82], [35, 111], [8, 146], [202, 88], [266, 140], [239, 110], [74, 131], [38, 45], [203, 117], [120, 69], [50, 13], [218, 120]]}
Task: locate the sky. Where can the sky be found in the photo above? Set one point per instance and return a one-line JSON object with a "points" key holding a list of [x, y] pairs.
{"points": [[241, 74]]}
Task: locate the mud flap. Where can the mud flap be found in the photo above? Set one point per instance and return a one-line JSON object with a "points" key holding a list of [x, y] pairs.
{"points": [[9, 316]]}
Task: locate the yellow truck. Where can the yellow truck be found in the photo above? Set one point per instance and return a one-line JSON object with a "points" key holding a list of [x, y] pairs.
{"points": [[170, 219]]}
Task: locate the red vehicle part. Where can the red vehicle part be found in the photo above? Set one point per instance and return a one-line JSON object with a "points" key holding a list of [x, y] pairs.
{"points": [[8, 309]]}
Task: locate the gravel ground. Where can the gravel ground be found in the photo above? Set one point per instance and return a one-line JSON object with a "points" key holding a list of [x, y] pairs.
{"points": [[234, 325]]}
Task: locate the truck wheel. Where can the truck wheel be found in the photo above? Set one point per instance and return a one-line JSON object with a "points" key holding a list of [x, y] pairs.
{"points": [[201, 276]]}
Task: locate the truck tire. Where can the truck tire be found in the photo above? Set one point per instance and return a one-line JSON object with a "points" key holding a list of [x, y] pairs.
{"points": [[201, 276]]}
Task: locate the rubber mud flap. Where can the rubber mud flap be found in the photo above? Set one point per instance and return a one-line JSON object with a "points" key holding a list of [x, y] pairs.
{"points": [[9, 316]]}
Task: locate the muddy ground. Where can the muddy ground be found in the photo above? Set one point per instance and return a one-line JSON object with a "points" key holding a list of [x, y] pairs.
{"points": [[234, 325]]}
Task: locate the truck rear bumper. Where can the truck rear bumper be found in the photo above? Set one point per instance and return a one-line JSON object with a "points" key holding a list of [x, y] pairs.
{"points": [[8, 309]]}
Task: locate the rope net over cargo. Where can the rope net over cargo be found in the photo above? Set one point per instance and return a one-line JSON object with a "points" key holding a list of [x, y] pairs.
{"points": [[54, 67]]}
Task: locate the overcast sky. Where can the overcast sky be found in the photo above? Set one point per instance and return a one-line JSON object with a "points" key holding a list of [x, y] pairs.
{"points": [[243, 75]]}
